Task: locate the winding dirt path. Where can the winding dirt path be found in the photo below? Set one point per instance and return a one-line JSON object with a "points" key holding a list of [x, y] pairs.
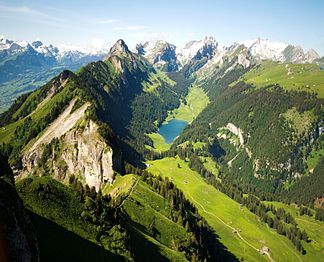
{"points": [[130, 192], [234, 229]]}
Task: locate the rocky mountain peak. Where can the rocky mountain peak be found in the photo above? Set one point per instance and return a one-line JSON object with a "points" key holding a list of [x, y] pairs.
{"points": [[264, 49], [159, 53], [37, 44], [119, 47], [205, 47], [140, 48], [4, 41], [311, 55]]}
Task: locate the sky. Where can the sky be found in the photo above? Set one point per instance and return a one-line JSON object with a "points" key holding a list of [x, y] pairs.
{"points": [[96, 24]]}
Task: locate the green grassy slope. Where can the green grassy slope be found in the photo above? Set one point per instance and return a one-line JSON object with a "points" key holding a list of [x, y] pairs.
{"points": [[59, 204], [146, 209], [226, 216], [24, 83], [195, 102], [121, 185], [159, 144], [57, 214], [67, 213], [298, 77], [314, 229], [314, 158], [38, 112], [155, 80]]}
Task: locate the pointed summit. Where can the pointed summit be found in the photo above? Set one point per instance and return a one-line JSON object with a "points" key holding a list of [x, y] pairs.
{"points": [[122, 58], [37, 44], [311, 55], [118, 48]]}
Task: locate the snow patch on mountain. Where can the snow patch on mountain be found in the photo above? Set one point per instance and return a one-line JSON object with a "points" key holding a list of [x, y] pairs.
{"points": [[11, 47], [193, 48], [263, 49], [159, 53]]}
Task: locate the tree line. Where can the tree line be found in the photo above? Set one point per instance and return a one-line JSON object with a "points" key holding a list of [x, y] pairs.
{"points": [[204, 246]]}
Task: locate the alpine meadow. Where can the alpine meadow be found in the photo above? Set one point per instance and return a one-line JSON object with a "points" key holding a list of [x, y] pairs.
{"points": [[124, 138]]}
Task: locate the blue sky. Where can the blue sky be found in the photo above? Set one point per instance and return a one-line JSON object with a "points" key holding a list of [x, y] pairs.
{"points": [[97, 23]]}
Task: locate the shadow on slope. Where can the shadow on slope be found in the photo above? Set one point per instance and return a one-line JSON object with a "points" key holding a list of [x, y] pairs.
{"points": [[58, 244], [147, 248]]}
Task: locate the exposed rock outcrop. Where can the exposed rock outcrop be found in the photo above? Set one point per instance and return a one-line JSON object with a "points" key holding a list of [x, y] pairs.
{"points": [[60, 126], [82, 151], [237, 131], [86, 155]]}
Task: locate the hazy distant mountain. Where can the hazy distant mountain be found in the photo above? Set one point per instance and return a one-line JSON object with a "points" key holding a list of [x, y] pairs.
{"points": [[18, 57], [26, 66]]}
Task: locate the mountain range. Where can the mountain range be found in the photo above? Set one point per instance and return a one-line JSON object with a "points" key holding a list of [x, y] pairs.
{"points": [[84, 158], [25, 66], [161, 53]]}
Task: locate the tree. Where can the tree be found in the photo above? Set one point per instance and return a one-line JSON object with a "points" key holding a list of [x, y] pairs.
{"points": [[304, 236]]}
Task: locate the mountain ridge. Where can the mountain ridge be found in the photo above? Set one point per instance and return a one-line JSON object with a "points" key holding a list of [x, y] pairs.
{"points": [[260, 49], [25, 66]]}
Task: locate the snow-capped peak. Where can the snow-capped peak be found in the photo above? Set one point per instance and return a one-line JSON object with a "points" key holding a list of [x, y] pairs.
{"points": [[154, 48], [265, 49], [4, 43], [208, 44], [151, 47], [39, 47], [65, 55], [160, 53], [22, 43]]}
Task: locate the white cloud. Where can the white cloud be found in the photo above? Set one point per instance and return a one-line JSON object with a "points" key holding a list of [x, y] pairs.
{"points": [[20, 9], [105, 21], [135, 27], [24, 10], [98, 43], [95, 46], [130, 28], [151, 36], [118, 28]]}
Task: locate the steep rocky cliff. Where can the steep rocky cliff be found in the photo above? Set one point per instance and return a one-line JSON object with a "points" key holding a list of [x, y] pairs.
{"points": [[81, 152], [85, 154]]}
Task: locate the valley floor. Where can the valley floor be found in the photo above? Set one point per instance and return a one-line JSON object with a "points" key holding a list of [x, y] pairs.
{"points": [[195, 102]]}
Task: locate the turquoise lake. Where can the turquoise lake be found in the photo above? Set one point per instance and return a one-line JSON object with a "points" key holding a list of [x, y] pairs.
{"points": [[172, 129]]}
